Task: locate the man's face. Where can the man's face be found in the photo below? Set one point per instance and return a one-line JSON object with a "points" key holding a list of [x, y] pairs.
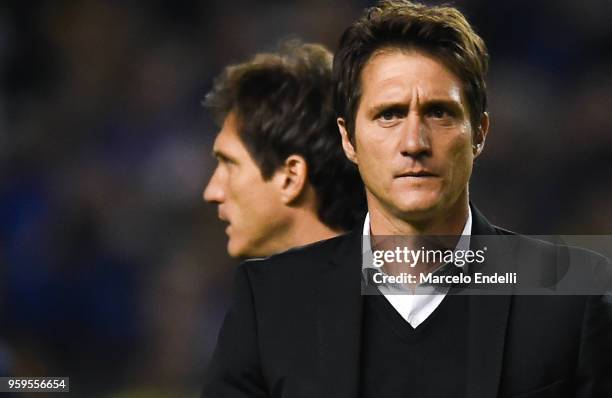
{"points": [[413, 138], [251, 206]]}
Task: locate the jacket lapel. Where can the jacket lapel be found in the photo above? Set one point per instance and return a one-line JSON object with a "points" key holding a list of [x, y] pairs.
{"points": [[487, 321], [339, 315], [487, 324]]}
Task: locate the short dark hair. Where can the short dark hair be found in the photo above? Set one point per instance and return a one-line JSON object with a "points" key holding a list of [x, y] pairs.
{"points": [[283, 104], [440, 31]]}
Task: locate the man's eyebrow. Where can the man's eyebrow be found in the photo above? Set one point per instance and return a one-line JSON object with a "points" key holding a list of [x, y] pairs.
{"points": [[220, 156], [405, 105], [451, 104], [441, 101], [378, 108]]}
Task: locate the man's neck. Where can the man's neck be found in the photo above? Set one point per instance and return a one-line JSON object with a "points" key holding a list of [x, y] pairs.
{"points": [[448, 223], [306, 229]]}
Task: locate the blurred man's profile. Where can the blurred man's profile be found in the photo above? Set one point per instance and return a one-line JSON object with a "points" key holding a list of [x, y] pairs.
{"points": [[282, 180]]}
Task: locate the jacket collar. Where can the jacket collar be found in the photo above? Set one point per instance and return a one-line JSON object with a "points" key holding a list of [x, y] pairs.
{"points": [[480, 224], [487, 317]]}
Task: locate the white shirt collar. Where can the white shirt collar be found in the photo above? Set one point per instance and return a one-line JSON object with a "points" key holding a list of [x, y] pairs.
{"points": [[463, 244], [415, 308]]}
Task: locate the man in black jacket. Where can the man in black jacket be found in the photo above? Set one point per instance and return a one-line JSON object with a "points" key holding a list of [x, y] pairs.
{"points": [[411, 104]]}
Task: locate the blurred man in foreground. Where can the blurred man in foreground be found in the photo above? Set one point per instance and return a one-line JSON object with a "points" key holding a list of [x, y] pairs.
{"points": [[282, 180], [411, 103]]}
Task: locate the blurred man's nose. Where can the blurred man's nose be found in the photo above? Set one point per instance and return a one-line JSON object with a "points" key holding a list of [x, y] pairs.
{"points": [[415, 137], [214, 191]]}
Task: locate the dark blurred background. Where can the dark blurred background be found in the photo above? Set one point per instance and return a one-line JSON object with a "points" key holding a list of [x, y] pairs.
{"points": [[113, 271]]}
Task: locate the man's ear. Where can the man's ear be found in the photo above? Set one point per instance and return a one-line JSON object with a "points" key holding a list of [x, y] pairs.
{"points": [[292, 178], [480, 135], [349, 149]]}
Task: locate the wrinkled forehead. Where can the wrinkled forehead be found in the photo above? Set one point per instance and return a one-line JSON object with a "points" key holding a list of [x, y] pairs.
{"points": [[394, 74]]}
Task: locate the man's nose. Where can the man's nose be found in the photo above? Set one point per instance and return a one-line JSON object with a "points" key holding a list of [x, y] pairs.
{"points": [[214, 191], [415, 137]]}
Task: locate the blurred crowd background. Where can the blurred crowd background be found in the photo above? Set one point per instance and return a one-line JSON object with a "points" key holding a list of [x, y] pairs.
{"points": [[112, 269]]}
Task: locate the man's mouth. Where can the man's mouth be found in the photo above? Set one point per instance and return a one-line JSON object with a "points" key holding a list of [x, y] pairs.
{"points": [[222, 217], [228, 226], [416, 173]]}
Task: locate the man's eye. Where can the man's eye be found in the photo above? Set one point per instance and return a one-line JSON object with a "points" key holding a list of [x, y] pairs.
{"points": [[225, 163], [390, 115], [438, 113], [387, 115]]}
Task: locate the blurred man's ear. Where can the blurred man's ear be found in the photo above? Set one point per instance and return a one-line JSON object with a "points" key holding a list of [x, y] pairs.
{"points": [[292, 178], [349, 149], [480, 135]]}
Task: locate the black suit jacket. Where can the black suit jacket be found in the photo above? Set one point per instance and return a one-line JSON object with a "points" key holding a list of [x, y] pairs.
{"points": [[294, 330]]}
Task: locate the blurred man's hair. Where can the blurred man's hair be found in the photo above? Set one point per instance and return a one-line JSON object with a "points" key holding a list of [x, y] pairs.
{"points": [[284, 106], [440, 31]]}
